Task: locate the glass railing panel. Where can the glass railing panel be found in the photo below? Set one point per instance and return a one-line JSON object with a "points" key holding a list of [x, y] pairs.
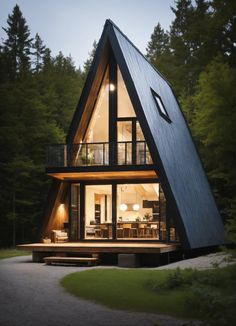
{"points": [[91, 154], [124, 153], [56, 155], [143, 155]]}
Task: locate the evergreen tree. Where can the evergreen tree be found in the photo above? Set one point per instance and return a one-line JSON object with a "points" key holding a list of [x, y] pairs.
{"points": [[39, 51], [88, 62], [214, 127], [158, 45], [223, 29], [35, 110], [47, 59], [3, 65], [18, 44], [158, 51], [181, 47]]}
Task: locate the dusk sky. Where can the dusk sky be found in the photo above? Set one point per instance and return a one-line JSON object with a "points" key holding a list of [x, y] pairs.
{"points": [[71, 26]]}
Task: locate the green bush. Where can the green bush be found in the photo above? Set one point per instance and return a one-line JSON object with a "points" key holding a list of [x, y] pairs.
{"points": [[211, 292]]}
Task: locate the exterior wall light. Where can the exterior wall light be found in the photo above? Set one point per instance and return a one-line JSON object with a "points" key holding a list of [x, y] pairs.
{"points": [[123, 207]]}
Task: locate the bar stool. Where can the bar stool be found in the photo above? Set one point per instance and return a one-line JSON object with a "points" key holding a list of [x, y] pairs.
{"points": [[141, 230], [127, 230], [154, 231]]}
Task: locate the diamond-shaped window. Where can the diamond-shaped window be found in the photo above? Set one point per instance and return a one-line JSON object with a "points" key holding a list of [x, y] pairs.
{"points": [[160, 106]]}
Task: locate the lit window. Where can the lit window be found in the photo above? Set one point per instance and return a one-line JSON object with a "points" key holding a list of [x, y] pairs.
{"points": [[160, 106]]}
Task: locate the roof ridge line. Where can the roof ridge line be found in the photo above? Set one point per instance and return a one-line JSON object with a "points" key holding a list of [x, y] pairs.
{"points": [[109, 21]]}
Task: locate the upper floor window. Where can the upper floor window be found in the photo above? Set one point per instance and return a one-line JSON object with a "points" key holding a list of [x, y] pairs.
{"points": [[125, 106]]}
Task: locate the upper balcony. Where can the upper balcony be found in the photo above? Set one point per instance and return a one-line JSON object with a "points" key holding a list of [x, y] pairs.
{"points": [[98, 154]]}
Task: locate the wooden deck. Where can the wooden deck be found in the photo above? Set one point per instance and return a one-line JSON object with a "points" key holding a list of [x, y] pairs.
{"points": [[98, 247]]}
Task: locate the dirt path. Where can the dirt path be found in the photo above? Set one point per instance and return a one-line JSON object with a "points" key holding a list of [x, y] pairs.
{"points": [[30, 295]]}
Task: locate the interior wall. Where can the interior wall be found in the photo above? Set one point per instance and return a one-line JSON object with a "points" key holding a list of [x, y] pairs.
{"points": [[90, 195]]}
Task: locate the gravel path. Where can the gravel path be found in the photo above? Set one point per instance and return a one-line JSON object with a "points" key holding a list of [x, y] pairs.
{"points": [[30, 295], [219, 259]]}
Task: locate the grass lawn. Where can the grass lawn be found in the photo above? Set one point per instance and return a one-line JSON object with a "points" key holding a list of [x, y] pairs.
{"points": [[8, 253], [188, 294]]}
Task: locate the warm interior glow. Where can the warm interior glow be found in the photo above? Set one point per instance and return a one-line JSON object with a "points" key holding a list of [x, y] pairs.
{"points": [[125, 106], [112, 87], [136, 207], [61, 208], [123, 207], [97, 130], [98, 211], [61, 214]]}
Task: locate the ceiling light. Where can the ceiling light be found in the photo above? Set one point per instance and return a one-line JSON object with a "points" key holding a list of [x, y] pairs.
{"points": [[112, 87]]}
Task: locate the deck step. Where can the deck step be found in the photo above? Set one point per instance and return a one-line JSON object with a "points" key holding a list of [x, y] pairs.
{"points": [[90, 261]]}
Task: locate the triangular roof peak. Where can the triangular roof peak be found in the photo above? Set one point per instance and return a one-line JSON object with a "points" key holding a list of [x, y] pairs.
{"points": [[172, 148], [110, 23]]}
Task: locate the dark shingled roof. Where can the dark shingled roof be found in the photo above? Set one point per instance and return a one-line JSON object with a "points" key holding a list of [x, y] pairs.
{"points": [[171, 145]]}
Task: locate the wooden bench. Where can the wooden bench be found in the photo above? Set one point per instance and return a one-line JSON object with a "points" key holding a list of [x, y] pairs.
{"points": [[90, 261]]}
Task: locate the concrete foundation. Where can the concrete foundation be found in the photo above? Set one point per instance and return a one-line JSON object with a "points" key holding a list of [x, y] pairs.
{"points": [[128, 260]]}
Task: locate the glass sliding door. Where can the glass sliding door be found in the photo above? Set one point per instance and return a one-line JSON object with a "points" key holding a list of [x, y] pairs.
{"points": [[141, 213], [74, 224], [122, 211], [137, 214], [98, 212]]}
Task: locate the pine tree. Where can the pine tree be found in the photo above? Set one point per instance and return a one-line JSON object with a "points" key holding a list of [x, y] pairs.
{"points": [[88, 62], [158, 45], [223, 29], [181, 46], [214, 127], [39, 51], [18, 44], [159, 54]]}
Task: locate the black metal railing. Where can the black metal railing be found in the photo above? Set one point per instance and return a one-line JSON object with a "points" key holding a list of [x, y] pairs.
{"points": [[97, 154]]}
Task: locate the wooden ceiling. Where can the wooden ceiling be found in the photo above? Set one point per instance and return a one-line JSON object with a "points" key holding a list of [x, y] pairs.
{"points": [[108, 175]]}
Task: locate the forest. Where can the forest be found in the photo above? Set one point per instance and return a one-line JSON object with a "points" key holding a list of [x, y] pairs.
{"points": [[39, 93]]}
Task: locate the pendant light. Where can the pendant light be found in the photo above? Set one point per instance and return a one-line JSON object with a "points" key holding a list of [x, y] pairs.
{"points": [[136, 207], [123, 206]]}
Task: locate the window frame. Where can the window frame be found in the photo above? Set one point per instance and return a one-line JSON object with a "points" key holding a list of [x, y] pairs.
{"points": [[161, 109]]}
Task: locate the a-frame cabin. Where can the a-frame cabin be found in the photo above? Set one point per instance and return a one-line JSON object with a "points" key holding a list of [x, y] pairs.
{"points": [[129, 170]]}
